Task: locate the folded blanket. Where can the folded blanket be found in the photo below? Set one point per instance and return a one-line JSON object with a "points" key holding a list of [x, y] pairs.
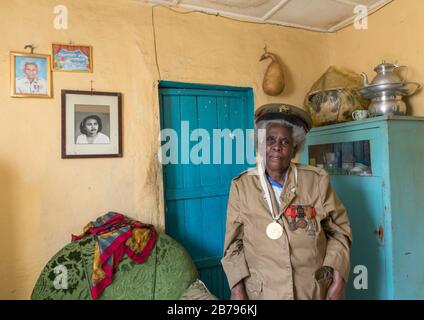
{"points": [[116, 235]]}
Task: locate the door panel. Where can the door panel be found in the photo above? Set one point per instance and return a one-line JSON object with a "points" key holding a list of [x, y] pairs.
{"points": [[208, 120], [188, 112], [196, 195]]}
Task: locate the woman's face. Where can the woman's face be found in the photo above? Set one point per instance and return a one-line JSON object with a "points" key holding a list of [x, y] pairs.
{"points": [[91, 127], [279, 147]]}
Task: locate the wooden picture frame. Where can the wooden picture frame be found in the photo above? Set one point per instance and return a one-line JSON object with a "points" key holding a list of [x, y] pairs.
{"points": [[91, 124], [30, 75], [72, 58]]}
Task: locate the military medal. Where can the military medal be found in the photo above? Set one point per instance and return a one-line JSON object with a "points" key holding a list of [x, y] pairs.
{"points": [[274, 230], [310, 214], [301, 222], [292, 223], [290, 213], [311, 228]]}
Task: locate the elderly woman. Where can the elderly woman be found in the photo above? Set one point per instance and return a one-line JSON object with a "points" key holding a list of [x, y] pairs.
{"points": [[287, 235]]}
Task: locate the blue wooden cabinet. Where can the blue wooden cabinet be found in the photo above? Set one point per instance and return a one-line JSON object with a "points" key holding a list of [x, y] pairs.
{"points": [[377, 170]]}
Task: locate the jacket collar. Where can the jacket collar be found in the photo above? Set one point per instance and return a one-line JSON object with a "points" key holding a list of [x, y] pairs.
{"points": [[287, 194]]}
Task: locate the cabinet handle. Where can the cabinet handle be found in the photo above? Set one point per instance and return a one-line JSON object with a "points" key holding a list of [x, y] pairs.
{"points": [[379, 233]]}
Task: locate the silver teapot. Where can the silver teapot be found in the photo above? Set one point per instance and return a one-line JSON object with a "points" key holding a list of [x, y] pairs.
{"points": [[386, 73], [386, 90]]}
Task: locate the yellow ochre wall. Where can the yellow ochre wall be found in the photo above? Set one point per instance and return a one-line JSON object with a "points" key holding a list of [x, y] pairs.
{"points": [[394, 34], [43, 198]]}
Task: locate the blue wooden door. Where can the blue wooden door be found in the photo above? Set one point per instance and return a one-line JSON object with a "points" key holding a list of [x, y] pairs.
{"points": [[196, 194]]}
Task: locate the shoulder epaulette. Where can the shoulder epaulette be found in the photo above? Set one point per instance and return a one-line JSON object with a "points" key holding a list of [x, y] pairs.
{"points": [[316, 170], [244, 173]]}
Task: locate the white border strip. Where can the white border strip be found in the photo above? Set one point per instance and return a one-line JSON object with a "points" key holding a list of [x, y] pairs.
{"points": [[270, 13]]}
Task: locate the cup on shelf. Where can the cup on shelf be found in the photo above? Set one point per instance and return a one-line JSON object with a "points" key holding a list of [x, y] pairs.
{"points": [[330, 160], [360, 114]]}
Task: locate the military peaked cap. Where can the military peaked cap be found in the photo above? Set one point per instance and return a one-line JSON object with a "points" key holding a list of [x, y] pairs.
{"points": [[291, 114]]}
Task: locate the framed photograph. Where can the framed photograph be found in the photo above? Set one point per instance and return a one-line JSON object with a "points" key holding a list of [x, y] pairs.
{"points": [[91, 124], [30, 75], [72, 58]]}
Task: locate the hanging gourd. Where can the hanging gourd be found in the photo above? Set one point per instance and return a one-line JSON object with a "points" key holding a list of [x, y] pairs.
{"points": [[273, 83]]}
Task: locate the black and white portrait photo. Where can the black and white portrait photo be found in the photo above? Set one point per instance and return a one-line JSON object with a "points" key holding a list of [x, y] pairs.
{"points": [[91, 124]]}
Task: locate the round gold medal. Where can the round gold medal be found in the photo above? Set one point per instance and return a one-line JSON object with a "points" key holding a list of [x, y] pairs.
{"points": [[274, 230]]}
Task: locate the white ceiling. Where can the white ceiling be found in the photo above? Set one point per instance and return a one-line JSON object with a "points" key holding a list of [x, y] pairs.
{"points": [[316, 15]]}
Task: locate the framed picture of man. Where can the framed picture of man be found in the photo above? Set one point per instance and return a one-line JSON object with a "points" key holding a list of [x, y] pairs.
{"points": [[30, 75], [72, 58], [91, 124]]}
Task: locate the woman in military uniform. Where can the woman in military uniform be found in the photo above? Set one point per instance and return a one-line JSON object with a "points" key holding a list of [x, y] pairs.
{"points": [[287, 233]]}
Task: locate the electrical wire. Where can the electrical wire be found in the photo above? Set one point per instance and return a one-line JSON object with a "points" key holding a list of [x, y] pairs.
{"points": [[190, 12], [154, 43], [203, 12], [219, 15]]}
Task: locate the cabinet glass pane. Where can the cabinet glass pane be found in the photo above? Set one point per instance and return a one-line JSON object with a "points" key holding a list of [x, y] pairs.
{"points": [[346, 158]]}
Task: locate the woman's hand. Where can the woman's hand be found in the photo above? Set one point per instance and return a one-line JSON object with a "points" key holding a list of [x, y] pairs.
{"points": [[238, 292], [337, 288]]}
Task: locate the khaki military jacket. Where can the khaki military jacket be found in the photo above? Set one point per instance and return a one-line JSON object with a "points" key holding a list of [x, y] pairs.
{"points": [[286, 268]]}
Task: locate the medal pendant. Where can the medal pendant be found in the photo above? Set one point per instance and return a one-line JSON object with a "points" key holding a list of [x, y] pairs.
{"points": [[310, 229], [301, 223], [274, 230], [292, 224], [300, 214]]}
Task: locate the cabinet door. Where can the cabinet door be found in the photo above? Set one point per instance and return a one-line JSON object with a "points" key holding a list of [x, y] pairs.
{"points": [[363, 199]]}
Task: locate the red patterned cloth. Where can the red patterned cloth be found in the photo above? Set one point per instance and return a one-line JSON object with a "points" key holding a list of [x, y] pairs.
{"points": [[116, 235]]}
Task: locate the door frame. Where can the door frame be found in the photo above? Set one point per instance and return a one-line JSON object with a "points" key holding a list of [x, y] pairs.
{"points": [[248, 110], [166, 84]]}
